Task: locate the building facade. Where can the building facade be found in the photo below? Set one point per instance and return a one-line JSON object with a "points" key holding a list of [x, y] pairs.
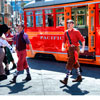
{"points": [[5, 13]]}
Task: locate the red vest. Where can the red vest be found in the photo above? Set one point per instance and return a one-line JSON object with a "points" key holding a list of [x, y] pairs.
{"points": [[21, 42]]}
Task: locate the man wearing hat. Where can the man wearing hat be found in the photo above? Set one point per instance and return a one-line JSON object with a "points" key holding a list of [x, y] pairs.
{"points": [[22, 41], [72, 36]]}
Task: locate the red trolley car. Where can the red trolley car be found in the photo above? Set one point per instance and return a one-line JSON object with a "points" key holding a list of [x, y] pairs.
{"points": [[45, 23]]}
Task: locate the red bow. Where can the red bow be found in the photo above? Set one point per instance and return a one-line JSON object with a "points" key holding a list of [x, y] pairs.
{"points": [[76, 56]]}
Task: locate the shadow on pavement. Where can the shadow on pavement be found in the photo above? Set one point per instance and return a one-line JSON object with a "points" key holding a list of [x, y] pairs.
{"points": [[52, 65], [74, 89], [15, 88]]}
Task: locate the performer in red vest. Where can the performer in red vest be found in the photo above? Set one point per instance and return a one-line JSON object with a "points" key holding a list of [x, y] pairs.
{"points": [[21, 41]]}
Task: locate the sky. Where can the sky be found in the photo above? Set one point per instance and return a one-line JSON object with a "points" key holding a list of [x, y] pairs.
{"points": [[20, 0], [26, 0]]}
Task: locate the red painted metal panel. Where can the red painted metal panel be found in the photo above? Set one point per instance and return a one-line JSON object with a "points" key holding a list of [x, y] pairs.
{"points": [[97, 30]]}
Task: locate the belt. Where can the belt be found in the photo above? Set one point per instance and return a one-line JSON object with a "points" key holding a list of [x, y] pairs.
{"points": [[72, 45]]}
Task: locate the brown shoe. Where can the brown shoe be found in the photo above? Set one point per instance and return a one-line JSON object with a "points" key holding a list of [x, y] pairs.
{"points": [[64, 81], [78, 79]]}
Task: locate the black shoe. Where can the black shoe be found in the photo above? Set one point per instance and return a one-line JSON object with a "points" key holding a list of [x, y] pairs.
{"points": [[28, 78], [71, 73], [80, 69], [7, 71], [13, 80], [14, 66], [3, 77]]}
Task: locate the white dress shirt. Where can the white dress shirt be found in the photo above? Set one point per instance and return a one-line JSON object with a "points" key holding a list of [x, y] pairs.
{"points": [[4, 43]]}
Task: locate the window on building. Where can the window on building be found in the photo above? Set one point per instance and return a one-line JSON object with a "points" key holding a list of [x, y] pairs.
{"points": [[60, 17], [79, 15], [29, 19], [49, 20], [39, 18]]}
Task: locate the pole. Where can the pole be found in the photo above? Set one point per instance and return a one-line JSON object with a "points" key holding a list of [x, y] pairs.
{"points": [[12, 12], [16, 11], [2, 12]]}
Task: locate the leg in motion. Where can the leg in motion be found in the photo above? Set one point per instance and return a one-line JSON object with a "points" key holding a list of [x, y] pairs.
{"points": [[79, 78], [66, 78], [14, 78], [28, 77]]}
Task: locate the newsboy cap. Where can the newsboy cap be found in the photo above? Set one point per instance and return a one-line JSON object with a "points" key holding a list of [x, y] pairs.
{"points": [[70, 21]]}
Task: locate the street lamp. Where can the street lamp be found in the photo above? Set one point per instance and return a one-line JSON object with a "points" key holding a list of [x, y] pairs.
{"points": [[12, 16], [2, 10], [2, 17]]}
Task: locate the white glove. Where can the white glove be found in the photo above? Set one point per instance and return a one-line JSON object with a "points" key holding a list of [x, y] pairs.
{"points": [[82, 50], [63, 49]]}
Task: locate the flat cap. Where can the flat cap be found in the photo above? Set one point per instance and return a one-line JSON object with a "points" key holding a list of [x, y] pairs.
{"points": [[70, 21]]}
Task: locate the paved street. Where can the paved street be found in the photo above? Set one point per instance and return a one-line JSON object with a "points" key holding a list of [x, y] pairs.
{"points": [[45, 80]]}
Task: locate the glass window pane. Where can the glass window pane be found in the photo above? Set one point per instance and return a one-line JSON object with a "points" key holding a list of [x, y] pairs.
{"points": [[92, 23], [38, 12], [59, 19], [29, 13], [81, 20], [29, 21], [60, 10], [80, 16], [73, 12], [49, 20], [92, 41], [48, 11], [73, 18], [81, 12], [39, 21]]}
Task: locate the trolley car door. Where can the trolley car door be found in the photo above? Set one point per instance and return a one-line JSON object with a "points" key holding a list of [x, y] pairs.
{"points": [[91, 28], [67, 15]]}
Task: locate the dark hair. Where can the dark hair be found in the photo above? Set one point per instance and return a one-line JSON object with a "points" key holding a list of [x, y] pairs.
{"points": [[3, 29], [16, 25], [8, 28]]}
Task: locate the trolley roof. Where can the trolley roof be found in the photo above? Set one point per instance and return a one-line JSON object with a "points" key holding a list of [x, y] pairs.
{"points": [[49, 3]]}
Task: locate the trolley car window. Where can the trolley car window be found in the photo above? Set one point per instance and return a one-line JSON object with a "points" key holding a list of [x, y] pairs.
{"points": [[48, 11], [38, 12], [79, 15], [60, 17], [29, 13], [59, 10], [49, 18], [29, 19], [39, 18], [92, 23]]}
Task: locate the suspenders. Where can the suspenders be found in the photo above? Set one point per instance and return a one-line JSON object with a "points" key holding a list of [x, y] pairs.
{"points": [[69, 38]]}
